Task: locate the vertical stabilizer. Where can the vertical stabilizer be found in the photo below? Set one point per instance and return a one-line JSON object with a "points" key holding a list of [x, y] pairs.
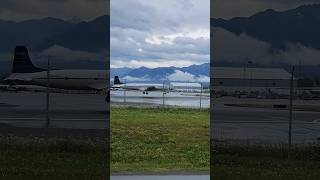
{"points": [[22, 62], [117, 80]]}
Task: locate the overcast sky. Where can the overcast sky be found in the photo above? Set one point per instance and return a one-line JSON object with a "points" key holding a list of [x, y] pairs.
{"points": [[164, 33], [239, 48], [227, 9], [19, 10]]}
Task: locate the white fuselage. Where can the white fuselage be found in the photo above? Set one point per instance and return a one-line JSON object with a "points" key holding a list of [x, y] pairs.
{"points": [[65, 79], [141, 86]]}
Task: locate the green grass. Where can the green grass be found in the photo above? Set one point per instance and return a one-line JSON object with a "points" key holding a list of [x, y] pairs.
{"points": [[159, 140], [31, 157], [265, 162], [145, 140], [149, 140]]}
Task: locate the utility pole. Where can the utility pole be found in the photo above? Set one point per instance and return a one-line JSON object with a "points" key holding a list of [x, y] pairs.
{"points": [[299, 69], [48, 95], [163, 93], [290, 112], [201, 96], [124, 92], [250, 80], [244, 76]]}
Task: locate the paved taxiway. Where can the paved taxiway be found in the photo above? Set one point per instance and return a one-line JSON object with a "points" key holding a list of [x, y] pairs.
{"points": [[264, 124], [76, 111], [157, 98], [89, 111]]}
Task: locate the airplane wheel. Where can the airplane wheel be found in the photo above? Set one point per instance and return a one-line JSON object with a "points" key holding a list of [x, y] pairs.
{"points": [[144, 92], [147, 93]]}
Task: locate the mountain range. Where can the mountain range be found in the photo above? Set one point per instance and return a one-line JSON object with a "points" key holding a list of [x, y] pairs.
{"points": [[193, 72], [300, 25], [40, 34]]}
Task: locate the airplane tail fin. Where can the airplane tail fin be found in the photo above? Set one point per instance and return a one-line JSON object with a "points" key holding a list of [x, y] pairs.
{"points": [[22, 62], [116, 80]]}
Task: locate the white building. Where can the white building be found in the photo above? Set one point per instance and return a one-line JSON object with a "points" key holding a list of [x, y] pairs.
{"points": [[250, 77], [185, 86]]}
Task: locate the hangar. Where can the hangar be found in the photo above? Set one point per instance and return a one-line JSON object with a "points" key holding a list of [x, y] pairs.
{"points": [[185, 86], [250, 77]]}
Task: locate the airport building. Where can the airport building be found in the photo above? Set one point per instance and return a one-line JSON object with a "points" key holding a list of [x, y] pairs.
{"points": [[250, 77], [185, 86]]}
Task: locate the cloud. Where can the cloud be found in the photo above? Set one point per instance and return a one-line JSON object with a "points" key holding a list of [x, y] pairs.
{"points": [[181, 76], [135, 79], [67, 55], [61, 58], [151, 64], [229, 47], [152, 34], [203, 78], [296, 53]]}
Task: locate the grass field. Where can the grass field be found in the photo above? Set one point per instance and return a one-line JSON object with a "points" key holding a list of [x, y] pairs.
{"points": [[38, 154], [265, 162], [159, 140], [145, 140], [148, 141]]}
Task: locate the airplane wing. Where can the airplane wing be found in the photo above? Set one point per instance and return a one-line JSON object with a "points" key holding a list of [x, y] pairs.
{"points": [[142, 87]]}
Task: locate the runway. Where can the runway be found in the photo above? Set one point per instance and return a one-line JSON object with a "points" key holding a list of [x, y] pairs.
{"points": [[181, 99], [90, 111], [264, 124], [74, 111]]}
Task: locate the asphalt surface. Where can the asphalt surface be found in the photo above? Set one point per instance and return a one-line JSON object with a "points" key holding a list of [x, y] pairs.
{"points": [[74, 111], [264, 124], [181, 99], [90, 111]]}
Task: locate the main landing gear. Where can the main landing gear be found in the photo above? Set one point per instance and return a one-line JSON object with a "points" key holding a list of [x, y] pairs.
{"points": [[145, 92]]}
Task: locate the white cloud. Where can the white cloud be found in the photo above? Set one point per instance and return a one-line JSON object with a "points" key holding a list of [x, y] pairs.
{"points": [[65, 54], [181, 76], [170, 38], [239, 49], [297, 52], [152, 34], [135, 79], [150, 64], [203, 78]]}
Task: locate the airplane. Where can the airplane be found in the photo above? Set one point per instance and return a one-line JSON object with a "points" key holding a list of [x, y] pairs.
{"points": [[144, 87], [24, 72]]}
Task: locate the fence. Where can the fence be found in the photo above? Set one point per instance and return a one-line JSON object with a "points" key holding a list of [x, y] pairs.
{"points": [[288, 120], [166, 96]]}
